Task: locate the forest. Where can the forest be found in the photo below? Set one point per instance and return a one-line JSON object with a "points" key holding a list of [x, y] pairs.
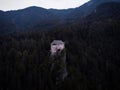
{"points": [[92, 54]]}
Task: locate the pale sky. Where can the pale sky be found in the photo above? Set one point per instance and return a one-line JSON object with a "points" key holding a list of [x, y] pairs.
{"points": [[57, 4]]}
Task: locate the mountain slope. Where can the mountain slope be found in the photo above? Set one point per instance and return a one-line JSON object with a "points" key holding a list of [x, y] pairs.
{"points": [[105, 11], [88, 7], [32, 17]]}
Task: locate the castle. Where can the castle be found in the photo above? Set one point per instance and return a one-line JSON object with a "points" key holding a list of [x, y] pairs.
{"points": [[57, 45], [58, 59]]}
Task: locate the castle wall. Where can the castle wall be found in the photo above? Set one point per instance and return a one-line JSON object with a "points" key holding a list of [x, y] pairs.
{"points": [[55, 48]]}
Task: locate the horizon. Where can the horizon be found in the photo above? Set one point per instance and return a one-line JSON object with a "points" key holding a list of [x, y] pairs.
{"points": [[63, 4]]}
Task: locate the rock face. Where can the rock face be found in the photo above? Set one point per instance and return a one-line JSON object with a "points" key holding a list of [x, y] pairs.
{"points": [[58, 59]]}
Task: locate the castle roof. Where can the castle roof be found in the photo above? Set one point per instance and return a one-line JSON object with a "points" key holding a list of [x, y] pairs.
{"points": [[57, 42]]}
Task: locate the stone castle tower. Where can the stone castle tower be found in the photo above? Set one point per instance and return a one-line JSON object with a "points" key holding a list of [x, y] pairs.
{"points": [[58, 58]]}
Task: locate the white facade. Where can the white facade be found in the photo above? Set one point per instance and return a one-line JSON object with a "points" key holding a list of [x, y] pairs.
{"points": [[57, 45]]}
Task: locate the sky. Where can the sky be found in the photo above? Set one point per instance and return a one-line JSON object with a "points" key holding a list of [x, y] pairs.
{"points": [[7, 5]]}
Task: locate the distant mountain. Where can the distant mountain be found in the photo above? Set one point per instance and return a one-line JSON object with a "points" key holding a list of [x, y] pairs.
{"points": [[6, 24], [32, 16], [105, 11], [88, 7], [39, 18]]}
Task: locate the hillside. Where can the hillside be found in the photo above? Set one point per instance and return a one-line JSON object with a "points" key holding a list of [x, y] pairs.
{"points": [[29, 18], [105, 11]]}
